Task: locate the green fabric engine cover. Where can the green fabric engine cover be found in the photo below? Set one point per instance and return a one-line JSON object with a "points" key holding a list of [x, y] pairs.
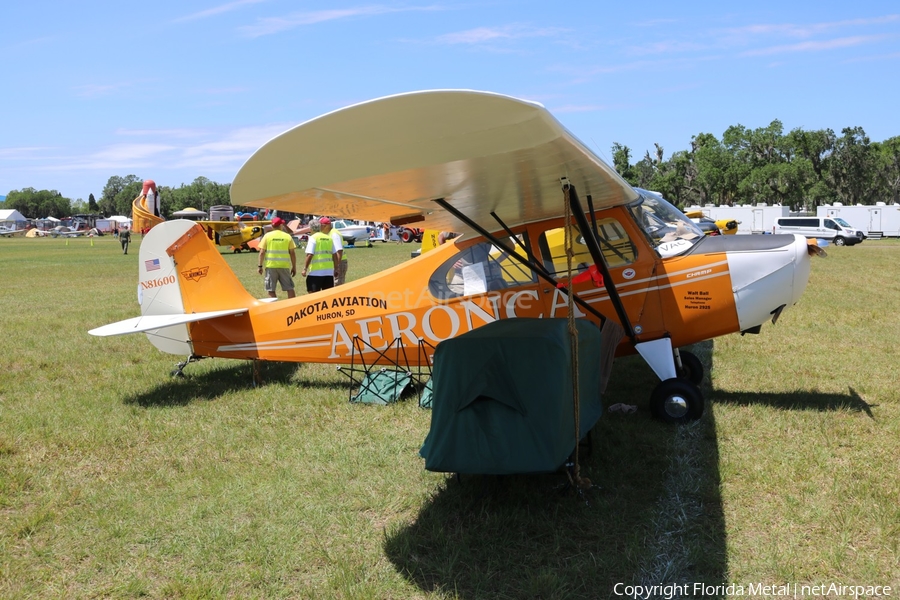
{"points": [[503, 397]]}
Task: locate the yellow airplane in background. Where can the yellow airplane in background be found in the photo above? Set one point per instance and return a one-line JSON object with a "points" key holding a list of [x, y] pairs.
{"points": [[237, 234], [722, 226]]}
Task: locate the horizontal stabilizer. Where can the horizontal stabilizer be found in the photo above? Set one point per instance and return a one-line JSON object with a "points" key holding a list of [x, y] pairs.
{"points": [[151, 322]]}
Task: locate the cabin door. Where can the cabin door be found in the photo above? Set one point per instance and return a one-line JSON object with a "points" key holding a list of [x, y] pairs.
{"points": [[630, 260]]}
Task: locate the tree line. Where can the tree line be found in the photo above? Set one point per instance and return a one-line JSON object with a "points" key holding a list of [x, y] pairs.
{"points": [[117, 197], [801, 169]]}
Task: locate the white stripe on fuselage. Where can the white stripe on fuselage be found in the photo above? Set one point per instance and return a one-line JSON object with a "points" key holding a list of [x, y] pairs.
{"points": [[304, 342], [657, 278]]}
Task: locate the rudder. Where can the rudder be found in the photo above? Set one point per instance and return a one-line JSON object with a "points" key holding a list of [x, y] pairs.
{"points": [[180, 271]]}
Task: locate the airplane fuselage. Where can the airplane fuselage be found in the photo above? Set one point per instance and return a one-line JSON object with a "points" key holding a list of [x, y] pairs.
{"points": [[688, 298]]}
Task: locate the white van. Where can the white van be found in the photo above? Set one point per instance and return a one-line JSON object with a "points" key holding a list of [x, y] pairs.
{"points": [[834, 229]]}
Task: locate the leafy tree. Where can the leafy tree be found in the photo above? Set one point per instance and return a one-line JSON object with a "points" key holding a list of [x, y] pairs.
{"points": [[115, 200], [888, 169], [672, 178], [709, 164], [812, 150], [622, 162], [645, 172], [36, 204], [200, 194], [92, 205], [852, 167]]}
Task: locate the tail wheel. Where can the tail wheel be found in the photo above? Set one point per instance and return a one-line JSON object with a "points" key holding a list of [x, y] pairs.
{"points": [[676, 401], [407, 236], [691, 367]]}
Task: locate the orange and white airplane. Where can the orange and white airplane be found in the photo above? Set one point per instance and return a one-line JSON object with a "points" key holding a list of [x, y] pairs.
{"points": [[501, 171]]}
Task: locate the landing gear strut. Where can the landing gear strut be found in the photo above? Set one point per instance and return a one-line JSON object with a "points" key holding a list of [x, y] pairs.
{"points": [[690, 367], [677, 398]]}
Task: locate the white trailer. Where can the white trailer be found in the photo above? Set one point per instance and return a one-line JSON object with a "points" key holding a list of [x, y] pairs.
{"points": [[758, 218], [880, 220]]}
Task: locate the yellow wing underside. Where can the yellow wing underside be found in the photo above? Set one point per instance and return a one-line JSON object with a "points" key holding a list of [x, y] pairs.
{"points": [[389, 159]]}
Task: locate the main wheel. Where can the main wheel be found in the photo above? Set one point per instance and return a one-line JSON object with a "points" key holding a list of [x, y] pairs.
{"points": [[691, 367], [839, 241], [676, 401]]}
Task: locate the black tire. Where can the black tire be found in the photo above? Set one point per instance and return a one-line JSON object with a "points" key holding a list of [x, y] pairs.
{"points": [[676, 401], [407, 236], [839, 241], [691, 367]]}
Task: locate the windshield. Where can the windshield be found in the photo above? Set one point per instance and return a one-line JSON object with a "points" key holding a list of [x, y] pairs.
{"points": [[842, 222], [670, 232]]}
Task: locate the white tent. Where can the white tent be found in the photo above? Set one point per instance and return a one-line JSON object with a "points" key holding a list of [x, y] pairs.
{"points": [[120, 219], [11, 214]]}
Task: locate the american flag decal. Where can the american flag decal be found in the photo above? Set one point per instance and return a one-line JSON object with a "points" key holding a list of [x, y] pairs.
{"points": [[152, 265]]}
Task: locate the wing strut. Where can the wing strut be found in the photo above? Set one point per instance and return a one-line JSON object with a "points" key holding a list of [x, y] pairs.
{"points": [[527, 262], [597, 256], [519, 243]]}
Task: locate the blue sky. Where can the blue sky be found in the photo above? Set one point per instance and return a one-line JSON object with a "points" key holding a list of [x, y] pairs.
{"points": [[173, 90]]}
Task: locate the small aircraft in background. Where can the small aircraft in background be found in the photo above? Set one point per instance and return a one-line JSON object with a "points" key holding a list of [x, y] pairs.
{"points": [[10, 231], [713, 226], [237, 234], [509, 177], [351, 233], [68, 232]]}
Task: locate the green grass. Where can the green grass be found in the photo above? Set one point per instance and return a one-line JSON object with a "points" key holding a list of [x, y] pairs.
{"points": [[117, 481]]}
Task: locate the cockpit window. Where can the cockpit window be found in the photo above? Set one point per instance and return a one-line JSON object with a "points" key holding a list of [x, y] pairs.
{"points": [[670, 232], [616, 246], [480, 268]]}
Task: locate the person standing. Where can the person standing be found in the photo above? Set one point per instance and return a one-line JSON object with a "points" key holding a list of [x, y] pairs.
{"points": [[125, 239], [278, 259], [340, 273], [321, 258]]}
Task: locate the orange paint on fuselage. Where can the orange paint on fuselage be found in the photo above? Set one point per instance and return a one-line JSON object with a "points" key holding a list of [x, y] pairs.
{"points": [[687, 298]]}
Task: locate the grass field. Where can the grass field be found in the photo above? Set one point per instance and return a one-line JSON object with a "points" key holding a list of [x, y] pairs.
{"points": [[118, 481]]}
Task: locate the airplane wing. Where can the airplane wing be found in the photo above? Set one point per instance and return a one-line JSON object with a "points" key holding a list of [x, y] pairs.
{"points": [[220, 226], [151, 322], [388, 159]]}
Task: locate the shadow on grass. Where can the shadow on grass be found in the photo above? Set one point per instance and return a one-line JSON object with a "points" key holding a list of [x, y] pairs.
{"points": [[181, 391], [798, 400], [519, 537], [657, 518]]}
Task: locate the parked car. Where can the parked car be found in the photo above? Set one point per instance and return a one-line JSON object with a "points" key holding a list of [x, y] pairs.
{"points": [[834, 229]]}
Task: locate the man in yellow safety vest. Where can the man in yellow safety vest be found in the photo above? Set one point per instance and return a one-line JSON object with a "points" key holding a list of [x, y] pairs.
{"points": [[321, 258], [277, 257]]}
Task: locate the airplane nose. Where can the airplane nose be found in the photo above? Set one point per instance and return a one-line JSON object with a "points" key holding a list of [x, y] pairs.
{"points": [[768, 276], [802, 265]]}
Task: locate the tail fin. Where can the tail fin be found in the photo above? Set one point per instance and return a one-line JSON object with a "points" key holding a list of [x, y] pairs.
{"points": [[180, 271]]}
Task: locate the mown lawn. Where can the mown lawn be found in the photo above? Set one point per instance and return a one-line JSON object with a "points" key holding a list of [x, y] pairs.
{"points": [[118, 481]]}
